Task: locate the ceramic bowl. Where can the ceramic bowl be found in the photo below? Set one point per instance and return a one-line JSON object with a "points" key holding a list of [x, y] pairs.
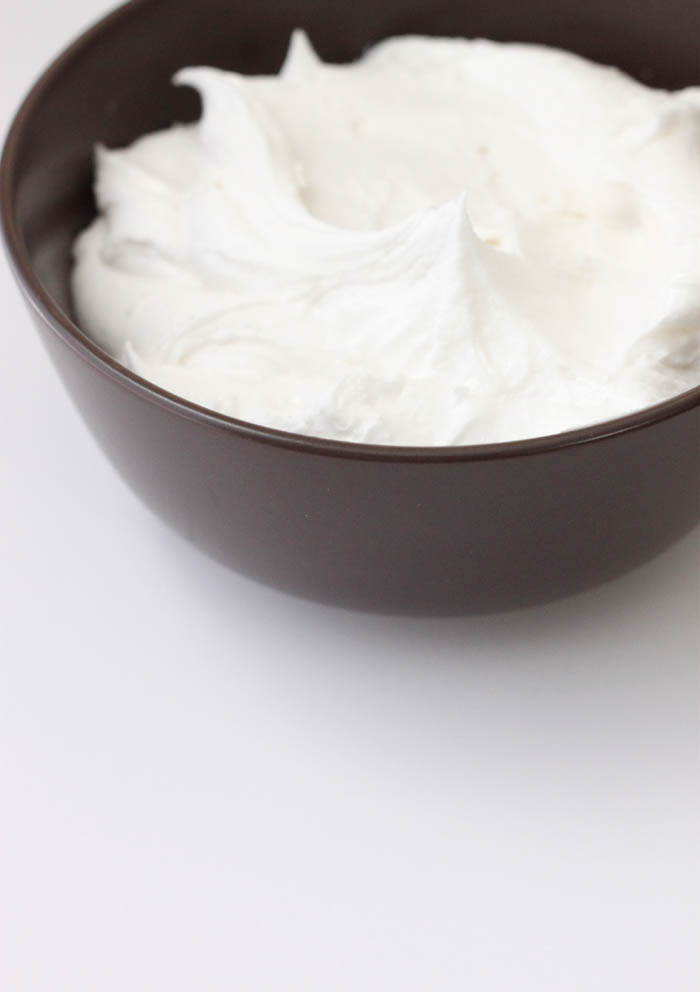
{"points": [[403, 530]]}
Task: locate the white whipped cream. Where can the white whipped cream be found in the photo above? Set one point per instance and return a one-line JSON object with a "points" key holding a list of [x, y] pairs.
{"points": [[446, 242]]}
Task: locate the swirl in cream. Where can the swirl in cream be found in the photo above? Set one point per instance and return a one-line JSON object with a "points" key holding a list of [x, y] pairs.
{"points": [[446, 242]]}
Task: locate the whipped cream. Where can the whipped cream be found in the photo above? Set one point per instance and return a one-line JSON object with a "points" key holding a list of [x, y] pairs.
{"points": [[446, 242]]}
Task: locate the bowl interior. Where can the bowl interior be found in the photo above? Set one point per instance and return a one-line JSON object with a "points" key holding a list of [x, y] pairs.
{"points": [[114, 83]]}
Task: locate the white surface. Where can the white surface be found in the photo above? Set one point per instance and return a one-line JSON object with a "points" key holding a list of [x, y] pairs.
{"points": [[210, 786]]}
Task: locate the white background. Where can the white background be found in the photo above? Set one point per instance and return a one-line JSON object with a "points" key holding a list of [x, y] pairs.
{"points": [[206, 785]]}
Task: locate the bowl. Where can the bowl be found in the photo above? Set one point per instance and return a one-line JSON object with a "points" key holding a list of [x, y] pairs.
{"points": [[452, 530]]}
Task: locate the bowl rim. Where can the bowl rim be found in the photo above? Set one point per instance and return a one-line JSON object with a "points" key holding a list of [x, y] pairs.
{"points": [[49, 311]]}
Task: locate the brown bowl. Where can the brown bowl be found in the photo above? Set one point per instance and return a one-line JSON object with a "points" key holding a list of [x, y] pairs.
{"points": [[422, 530]]}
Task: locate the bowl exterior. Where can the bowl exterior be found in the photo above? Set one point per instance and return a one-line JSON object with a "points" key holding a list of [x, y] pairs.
{"points": [[410, 536]]}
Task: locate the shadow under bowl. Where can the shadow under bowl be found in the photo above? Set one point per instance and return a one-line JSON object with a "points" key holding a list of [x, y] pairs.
{"points": [[400, 530]]}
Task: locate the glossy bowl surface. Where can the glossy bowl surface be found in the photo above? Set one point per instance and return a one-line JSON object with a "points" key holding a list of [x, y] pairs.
{"points": [[417, 530]]}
